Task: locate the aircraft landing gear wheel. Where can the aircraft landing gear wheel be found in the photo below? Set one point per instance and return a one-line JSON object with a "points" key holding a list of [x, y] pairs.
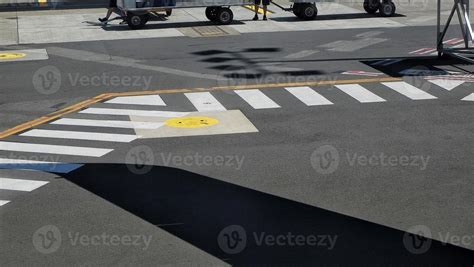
{"points": [[305, 11], [211, 13], [224, 16], [371, 6], [387, 9], [135, 21]]}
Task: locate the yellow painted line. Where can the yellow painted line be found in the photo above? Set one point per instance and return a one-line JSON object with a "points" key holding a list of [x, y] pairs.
{"points": [[260, 9], [52, 116], [10, 56], [106, 96]]}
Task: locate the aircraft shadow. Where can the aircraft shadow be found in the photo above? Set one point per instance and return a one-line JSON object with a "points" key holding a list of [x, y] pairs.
{"points": [[228, 221]]}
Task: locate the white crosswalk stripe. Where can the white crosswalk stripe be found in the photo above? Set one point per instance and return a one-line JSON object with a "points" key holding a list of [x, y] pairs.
{"points": [[409, 90], [469, 97], [308, 96], [205, 101], [133, 112], [54, 149], [3, 202], [20, 185], [446, 83], [360, 93], [106, 137], [256, 99], [109, 123], [148, 100]]}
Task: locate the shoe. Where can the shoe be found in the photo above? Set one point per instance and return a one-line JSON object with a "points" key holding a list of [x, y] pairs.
{"points": [[264, 17], [103, 19], [255, 18]]}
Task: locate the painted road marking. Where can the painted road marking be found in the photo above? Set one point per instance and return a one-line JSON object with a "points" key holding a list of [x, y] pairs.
{"points": [[54, 149], [106, 96], [10, 56], [446, 83], [360, 93], [107, 137], [453, 41], [409, 90], [204, 101], [386, 62], [133, 112], [3, 202], [308, 96], [302, 54], [362, 73], [20, 185], [109, 123], [191, 122], [469, 97], [23, 55], [423, 51], [148, 100], [20, 164], [256, 99]]}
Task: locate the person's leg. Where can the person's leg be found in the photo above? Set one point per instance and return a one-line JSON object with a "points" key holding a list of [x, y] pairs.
{"points": [[265, 12], [256, 12]]}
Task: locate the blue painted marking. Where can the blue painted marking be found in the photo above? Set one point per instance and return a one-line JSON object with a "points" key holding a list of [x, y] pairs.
{"points": [[46, 167]]}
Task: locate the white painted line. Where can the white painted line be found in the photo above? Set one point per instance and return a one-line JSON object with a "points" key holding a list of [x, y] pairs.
{"points": [[109, 123], [20, 185], [391, 62], [419, 50], [360, 93], [446, 83], [204, 101], [107, 137], [308, 96], [3, 202], [147, 100], [256, 99], [133, 112], [54, 149], [453, 41], [469, 97], [409, 90], [302, 54], [362, 73]]}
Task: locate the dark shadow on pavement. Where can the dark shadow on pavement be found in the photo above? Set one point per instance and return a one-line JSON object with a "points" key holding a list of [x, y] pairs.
{"points": [[228, 221], [332, 17]]}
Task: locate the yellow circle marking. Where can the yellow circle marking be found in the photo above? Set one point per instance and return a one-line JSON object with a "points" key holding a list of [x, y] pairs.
{"points": [[4, 56], [191, 122]]}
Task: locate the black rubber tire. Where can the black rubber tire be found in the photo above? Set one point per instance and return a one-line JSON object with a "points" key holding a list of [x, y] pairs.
{"points": [[225, 16], [387, 9], [297, 10], [169, 12], [135, 21], [211, 13], [371, 6], [308, 11]]}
